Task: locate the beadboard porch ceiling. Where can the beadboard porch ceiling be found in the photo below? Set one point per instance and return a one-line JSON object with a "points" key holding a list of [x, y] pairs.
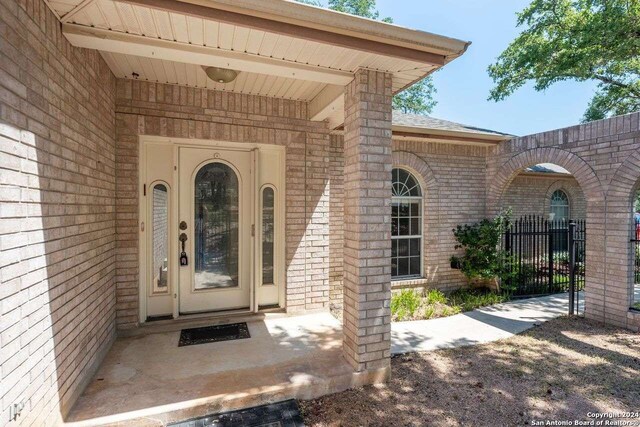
{"points": [[280, 48]]}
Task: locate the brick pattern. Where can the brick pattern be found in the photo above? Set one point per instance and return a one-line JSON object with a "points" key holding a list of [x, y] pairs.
{"points": [[145, 108], [57, 214], [367, 219], [604, 157], [336, 220], [452, 181], [530, 194]]}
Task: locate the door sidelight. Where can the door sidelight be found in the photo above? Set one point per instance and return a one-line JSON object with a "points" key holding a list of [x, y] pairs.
{"points": [[183, 255]]}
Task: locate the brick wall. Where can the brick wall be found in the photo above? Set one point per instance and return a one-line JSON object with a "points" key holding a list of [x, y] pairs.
{"points": [[57, 220], [165, 110], [604, 157], [336, 220], [530, 194], [367, 222], [452, 181], [452, 177]]}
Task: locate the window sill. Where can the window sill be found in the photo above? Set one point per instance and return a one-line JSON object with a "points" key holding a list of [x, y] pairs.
{"points": [[409, 283]]}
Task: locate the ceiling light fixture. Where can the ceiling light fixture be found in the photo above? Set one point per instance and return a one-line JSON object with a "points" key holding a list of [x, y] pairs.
{"points": [[220, 75]]}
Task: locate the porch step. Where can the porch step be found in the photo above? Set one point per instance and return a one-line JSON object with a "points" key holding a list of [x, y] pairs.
{"points": [[147, 380], [301, 386], [197, 320], [282, 414]]}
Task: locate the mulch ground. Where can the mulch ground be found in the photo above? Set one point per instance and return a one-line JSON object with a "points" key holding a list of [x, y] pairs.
{"points": [[561, 370]]}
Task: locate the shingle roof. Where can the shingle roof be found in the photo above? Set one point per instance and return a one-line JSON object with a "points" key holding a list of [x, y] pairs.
{"points": [[427, 122], [547, 168]]}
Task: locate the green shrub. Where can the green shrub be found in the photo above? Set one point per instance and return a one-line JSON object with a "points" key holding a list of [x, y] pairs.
{"points": [[467, 299], [429, 312], [405, 304], [561, 258], [519, 274], [435, 296], [482, 258]]}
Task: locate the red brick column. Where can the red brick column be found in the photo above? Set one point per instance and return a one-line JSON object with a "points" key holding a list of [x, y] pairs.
{"points": [[367, 229]]}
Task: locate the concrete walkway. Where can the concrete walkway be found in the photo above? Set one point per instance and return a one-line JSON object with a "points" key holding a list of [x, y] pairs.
{"points": [[478, 326]]}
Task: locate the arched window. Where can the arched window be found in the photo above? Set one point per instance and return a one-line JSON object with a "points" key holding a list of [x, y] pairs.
{"points": [[217, 227], [406, 226], [559, 208], [268, 222], [159, 238]]}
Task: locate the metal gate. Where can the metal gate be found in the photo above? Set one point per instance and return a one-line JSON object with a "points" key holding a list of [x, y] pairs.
{"points": [[545, 257]]}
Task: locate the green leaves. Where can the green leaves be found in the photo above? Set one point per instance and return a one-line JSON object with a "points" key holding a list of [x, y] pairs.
{"points": [[417, 99], [364, 8], [482, 257], [576, 40]]}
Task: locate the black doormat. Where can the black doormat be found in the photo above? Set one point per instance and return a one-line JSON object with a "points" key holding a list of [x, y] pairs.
{"points": [[282, 414], [207, 334]]}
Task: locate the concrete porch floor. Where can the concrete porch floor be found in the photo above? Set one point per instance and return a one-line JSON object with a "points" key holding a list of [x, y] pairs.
{"points": [[147, 379]]}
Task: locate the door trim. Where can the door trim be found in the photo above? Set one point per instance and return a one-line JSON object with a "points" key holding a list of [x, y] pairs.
{"points": [[280, 220]]}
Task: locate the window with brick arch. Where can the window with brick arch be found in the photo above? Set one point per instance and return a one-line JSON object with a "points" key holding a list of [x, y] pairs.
{"points": [[406, 226], [559, 206]]}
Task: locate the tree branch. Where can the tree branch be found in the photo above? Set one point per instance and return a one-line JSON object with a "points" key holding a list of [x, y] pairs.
{"points": [[613, 82]]}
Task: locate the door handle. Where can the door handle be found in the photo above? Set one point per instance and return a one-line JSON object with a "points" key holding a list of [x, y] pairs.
{"points": [[184, 261], [183, 238]]}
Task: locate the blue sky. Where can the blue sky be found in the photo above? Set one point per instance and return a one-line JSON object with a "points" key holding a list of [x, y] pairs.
{"points": [[463, 85]]}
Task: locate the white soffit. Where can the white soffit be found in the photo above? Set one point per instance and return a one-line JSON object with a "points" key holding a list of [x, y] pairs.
{"points": [[282, 49], [180, 73], [187, 30]]}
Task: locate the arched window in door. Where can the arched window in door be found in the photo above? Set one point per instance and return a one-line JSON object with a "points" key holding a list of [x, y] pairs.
{"points": [[406, 226], [216, 227]]}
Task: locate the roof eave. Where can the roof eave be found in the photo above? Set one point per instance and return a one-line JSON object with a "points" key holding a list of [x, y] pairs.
{"points": [[293, 12], [486, 137], [439, 136]]}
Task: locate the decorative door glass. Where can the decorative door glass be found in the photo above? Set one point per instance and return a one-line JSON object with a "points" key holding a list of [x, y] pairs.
{"points": [[216, 227], [268, 206], [160, 238]]}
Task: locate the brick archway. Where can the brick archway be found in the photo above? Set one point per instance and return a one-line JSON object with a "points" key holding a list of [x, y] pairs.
{"points": [[508, 170], [626, 182]]}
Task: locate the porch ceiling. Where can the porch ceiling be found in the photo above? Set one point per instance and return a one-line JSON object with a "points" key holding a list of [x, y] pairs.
{"points": [[181, 73], [282, 49]]}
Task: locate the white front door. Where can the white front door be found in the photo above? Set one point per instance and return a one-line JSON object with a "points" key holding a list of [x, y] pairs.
{"points": [[215, 217]]}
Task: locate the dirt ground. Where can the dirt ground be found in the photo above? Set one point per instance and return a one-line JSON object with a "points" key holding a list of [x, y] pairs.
{"points": [[561, 370]]}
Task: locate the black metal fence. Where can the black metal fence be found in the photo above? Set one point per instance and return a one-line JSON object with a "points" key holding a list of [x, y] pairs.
{"points": [[544, 257]]}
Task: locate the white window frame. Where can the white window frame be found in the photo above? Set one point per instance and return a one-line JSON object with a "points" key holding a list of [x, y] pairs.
{"points": [[410, 199]]}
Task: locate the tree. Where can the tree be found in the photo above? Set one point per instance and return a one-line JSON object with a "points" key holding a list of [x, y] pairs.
{"points": [[364, 8], [580, 40], [418, 98]]}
